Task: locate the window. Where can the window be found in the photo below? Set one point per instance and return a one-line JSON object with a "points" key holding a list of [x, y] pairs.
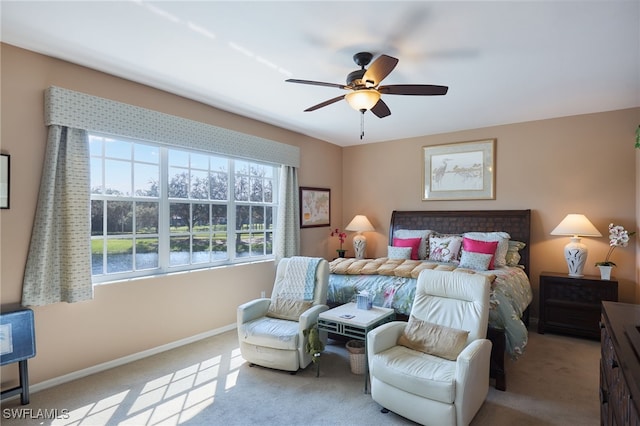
{"points": [[157, 209]]}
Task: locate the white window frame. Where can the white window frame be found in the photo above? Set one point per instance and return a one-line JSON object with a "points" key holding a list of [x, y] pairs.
{"points": [[163, 231]]}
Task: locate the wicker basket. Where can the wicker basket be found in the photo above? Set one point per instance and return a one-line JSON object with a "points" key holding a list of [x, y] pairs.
{"points": [[357, 357]]}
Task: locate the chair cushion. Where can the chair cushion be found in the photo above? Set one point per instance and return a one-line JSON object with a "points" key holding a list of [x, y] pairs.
{"points": [[288, 309], [424, 375], [434, 339], [271, 332]]}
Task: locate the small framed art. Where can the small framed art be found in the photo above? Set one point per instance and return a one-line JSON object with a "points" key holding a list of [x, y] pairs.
{"points": [[315, 207], [459, 171], [4, 181]]}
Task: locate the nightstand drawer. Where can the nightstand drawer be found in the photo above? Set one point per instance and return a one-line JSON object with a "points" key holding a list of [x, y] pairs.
{"points": [[572, 317]]}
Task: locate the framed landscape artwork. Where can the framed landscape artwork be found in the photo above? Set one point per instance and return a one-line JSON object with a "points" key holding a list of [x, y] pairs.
{"points": [[459, 171], [315, 207]]}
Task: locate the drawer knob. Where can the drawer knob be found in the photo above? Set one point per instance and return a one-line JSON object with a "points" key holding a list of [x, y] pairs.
{"points": [[614, 363]]}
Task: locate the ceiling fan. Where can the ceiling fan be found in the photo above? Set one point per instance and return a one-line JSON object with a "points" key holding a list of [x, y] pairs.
{"points": [[365, 89], [364, 86]]}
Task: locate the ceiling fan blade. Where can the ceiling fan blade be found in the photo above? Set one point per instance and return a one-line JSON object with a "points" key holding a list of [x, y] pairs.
{"points": [[325, 103], [316, 83], [413, 89], [380, 68], [380, 109]]}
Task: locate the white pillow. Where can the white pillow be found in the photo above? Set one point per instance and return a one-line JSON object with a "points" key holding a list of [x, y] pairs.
{"points": [[445, 248], [398, 252], [475, 261], [503, 244], [423, 234]]}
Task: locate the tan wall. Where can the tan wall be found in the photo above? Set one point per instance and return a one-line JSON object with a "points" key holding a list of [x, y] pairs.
{"points": [[637, 238], [581, 164], [127, 317]]}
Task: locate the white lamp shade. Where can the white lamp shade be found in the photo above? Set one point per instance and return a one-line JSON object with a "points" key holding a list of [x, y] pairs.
{"points": [[577, 225], [360, 224], [575, 252], [362, 99]]}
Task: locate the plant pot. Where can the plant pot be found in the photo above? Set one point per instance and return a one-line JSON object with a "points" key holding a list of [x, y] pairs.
{"points": [[605, 272], [341, 253]]}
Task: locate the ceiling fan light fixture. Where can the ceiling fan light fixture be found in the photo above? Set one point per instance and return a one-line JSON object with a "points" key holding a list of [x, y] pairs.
{"points": [[363, 99]]}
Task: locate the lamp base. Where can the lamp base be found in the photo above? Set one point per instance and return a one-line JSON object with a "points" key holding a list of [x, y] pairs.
{"points": [[576, 255], [359, 245]]}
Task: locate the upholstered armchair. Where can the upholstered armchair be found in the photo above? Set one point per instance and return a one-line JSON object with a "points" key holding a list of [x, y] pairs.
{"points": [[271, 331], [434, 369]]}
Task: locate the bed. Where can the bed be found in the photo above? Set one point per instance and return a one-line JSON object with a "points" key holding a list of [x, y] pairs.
{"points": [[511, 290]]}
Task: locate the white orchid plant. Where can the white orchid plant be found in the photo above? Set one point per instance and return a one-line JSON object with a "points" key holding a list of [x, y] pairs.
{"points": [[618, 237]]}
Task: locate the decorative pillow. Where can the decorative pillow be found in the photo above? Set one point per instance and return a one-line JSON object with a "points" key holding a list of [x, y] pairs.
{"points": [[414, 243], [513, 255], [445, 248], [503, 244], [433, 339], [423, 248], [288, 309], [486, 247], [475, 261], [399, 252]]}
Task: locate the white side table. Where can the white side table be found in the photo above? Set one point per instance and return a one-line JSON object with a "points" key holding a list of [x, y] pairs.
{"points": [[347, 320]]}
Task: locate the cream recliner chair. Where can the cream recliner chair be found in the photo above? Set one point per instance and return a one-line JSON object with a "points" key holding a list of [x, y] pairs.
{"points": [[271, 331], [425, 388]]}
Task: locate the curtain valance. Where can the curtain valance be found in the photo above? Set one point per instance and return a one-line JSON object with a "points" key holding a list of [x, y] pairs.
{"points": [[82, 111]]}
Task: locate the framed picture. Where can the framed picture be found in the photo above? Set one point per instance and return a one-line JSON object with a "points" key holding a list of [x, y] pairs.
{"points": [[459, 171], [4, 181], [315, 207]]}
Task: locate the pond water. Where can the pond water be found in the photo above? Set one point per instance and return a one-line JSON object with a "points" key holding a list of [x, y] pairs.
{"points": [[124, 262]]}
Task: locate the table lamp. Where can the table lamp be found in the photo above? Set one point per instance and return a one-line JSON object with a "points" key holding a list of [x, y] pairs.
{"points": [[575, 252], [360, 224]]}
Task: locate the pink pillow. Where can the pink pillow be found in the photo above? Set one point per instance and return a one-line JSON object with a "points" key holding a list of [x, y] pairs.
{"points": [[484, 247], [414, 243]]}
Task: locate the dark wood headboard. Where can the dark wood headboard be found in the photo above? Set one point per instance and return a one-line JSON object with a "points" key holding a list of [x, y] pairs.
{"points": [[516, 222]]}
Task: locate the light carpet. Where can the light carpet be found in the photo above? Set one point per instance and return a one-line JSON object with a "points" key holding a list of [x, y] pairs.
{"points": [[208, 383]]}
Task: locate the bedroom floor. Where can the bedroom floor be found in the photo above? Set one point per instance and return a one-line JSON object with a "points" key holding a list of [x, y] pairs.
{"points": [[207, 382]]}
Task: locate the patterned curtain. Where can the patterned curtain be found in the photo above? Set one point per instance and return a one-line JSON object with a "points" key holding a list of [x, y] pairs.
{"points": [[287, 242], [58, 266]]}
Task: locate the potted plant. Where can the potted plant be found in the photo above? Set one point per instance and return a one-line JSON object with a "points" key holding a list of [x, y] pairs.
{"points": [[618, 237], [341, 236]]}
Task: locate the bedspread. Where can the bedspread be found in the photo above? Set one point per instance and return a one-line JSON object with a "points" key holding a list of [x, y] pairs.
{"points": [[510, 294]]}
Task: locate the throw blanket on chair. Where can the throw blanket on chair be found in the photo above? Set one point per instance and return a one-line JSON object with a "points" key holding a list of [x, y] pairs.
{"points": [[300, 278]]}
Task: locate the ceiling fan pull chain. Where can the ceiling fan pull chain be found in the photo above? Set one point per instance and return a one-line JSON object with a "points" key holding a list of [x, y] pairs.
{"points": [[362, 124]]}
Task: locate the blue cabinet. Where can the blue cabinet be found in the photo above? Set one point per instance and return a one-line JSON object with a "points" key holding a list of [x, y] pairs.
{"points": [[17, 344]]}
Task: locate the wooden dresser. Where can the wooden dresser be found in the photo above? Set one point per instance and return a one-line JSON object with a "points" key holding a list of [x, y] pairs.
{"points": [[620, 364]]}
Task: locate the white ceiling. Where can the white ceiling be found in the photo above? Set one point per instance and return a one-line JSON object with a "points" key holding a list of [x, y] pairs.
{"points": [[504, 61]]}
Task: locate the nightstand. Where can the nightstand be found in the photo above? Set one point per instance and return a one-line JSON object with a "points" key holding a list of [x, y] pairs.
{"points": [[571, 305]]}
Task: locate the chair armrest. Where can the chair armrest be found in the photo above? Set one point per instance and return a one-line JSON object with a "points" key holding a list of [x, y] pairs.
{"points": [[472, 378], [384, 337], [309, 317], [251, 310]]}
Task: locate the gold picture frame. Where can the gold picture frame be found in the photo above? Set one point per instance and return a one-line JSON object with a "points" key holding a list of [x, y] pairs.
{"points": [[459, 171]]}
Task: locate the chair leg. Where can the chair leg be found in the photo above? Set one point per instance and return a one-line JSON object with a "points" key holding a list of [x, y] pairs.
{"points": [[384, 410]]}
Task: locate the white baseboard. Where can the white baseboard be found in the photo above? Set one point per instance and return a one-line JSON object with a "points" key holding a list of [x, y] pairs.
{"points": [[126, 359]]}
